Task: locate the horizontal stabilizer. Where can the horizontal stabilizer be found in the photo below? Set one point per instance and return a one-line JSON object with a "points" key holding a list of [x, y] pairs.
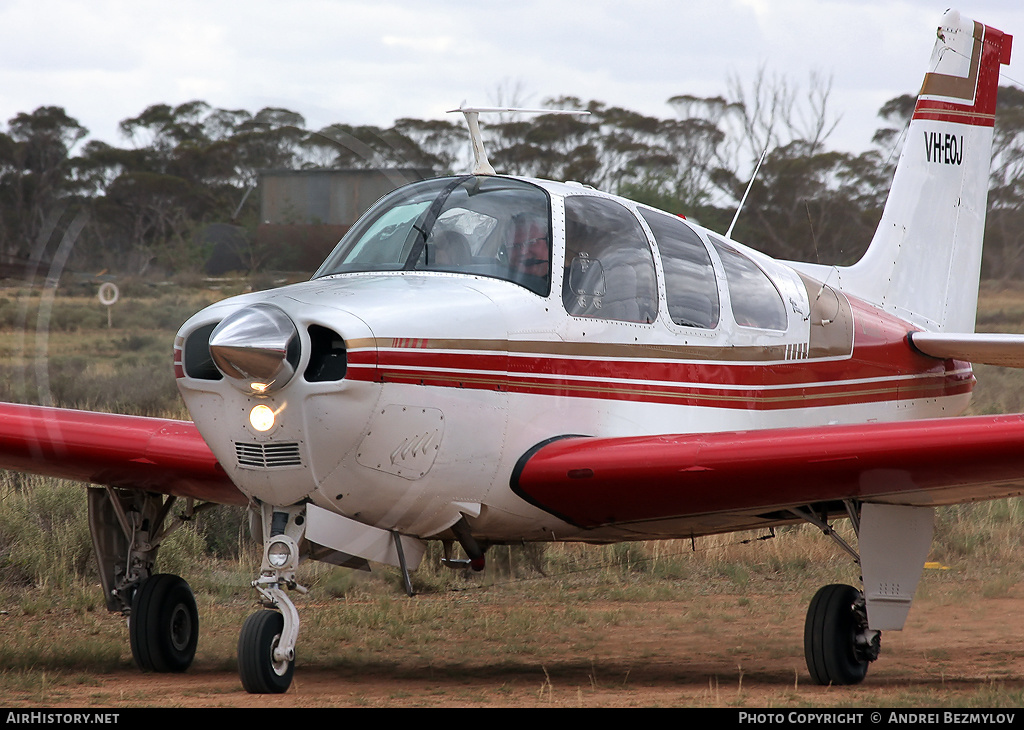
{"points": [[983, 348]]}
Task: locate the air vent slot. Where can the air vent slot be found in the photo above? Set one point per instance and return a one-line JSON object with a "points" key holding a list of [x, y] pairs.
{"points": [[268, 455], [198, 362], [327, 357]]}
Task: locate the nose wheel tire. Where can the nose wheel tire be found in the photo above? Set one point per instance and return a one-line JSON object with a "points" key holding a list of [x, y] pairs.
{"points": [[164, 624], [259, 671], [835, 647]]}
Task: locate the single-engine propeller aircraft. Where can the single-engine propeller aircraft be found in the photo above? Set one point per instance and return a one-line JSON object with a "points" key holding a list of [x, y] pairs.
{"points": [[487, 359]]}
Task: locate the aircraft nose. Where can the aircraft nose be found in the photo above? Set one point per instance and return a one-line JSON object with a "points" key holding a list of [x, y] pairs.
{"points": [[256, 348]]}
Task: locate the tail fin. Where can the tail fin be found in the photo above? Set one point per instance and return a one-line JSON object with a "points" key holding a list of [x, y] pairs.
{"points": [[924, 261]]}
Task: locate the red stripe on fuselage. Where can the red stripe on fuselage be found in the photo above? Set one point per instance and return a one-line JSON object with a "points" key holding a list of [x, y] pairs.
{"points": [[882, 367], [752, 399]]}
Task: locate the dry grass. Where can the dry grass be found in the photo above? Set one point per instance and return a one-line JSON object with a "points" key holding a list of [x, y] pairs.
{"points": [[610, 636], [533, 608]]}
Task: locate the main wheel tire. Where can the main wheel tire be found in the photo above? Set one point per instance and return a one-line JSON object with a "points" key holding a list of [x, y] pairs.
{"points": [[830, 635], [259, 673], [164, 624]]}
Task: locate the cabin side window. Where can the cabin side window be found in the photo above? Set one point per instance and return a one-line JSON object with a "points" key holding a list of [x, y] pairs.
{"points": [[609, 267], [690, 285], [755, 300]]}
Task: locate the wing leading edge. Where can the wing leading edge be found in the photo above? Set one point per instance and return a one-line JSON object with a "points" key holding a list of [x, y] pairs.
{"points": [[737, 476], [132, 452]]}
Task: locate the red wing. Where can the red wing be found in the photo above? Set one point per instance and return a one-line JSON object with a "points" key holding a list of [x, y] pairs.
{"points": [[151, 454], [717, 482]]}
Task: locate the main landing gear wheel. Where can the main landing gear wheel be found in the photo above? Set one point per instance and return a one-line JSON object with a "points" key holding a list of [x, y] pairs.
{"points": [[259, 672], [164, 624], [837, 643]]}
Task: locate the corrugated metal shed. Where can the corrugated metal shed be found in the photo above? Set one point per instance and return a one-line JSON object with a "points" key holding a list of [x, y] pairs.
{"points": [[327, 196]]}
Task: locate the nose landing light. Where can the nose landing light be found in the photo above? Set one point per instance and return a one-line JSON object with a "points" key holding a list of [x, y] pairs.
{"points": [[262, 418], [257, 348]]}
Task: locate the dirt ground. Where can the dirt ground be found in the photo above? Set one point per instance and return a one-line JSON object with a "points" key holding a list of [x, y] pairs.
{"points": [[958, 649]]}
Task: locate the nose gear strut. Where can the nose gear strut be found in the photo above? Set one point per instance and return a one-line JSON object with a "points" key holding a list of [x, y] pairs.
{"points": [[266, 645]]}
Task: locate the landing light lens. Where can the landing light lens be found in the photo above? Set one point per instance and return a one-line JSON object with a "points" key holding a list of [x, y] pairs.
{"points": [[279, 554], [261, 418]]}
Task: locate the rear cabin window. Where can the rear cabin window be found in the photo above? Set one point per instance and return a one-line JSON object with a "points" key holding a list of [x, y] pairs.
{"points": [[755, 300], [609, 267], [690, 285]]}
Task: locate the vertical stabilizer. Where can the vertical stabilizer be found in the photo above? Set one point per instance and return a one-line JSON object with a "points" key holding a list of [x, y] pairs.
{"points": [[924, 261]]}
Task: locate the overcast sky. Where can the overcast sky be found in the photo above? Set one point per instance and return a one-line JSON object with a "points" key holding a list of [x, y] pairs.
{"points": [[376, 61]]}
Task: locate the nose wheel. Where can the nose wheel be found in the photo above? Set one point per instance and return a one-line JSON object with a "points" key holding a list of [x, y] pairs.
{"points": [[838, 645], [260, 670], [164, 624]]}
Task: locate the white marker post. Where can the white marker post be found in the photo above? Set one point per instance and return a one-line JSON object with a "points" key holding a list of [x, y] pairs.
{"points": [[108, 295]]}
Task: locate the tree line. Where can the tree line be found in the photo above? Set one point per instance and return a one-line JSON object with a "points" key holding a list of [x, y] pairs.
{"points": [[141, 205]]}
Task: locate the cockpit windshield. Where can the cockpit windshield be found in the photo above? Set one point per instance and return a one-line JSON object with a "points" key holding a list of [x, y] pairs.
{"points": [[488, 226]]}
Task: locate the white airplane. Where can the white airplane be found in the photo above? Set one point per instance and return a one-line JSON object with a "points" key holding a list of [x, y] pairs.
{"points": [[487, 359]]}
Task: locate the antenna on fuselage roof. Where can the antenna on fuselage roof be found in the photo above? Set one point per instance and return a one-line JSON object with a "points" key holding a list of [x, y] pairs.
{"points": [[472, 113], [728, 234]]}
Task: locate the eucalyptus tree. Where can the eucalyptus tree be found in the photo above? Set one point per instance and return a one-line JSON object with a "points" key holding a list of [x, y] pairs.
{"points": [[36, 175], [1004, 226]]}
